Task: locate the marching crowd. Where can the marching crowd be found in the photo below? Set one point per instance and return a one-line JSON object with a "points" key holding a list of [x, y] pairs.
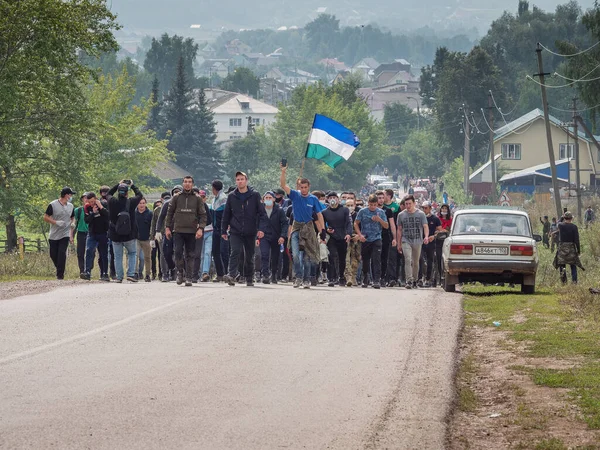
{"points": [[286, 235]]}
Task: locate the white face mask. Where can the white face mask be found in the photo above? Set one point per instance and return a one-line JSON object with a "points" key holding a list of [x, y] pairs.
{"points": [[351, 208], [333, 203]]}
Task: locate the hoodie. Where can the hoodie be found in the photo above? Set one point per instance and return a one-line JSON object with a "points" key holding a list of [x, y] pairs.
{"points": [[244, 213]]}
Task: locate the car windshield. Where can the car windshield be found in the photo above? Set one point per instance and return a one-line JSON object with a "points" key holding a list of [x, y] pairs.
{"points": [[492, 223]]}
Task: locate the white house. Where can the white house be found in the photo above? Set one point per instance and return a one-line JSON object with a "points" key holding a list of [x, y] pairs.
{"points": [[233, 111]]}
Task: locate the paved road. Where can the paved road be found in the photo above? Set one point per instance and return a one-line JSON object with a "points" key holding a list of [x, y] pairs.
{"points": [[155, 366]]}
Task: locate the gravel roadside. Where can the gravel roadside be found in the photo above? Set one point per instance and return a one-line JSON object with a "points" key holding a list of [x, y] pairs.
{"points": [[12, 289]]}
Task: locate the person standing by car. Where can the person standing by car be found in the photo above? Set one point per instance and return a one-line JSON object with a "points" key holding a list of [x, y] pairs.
{"points": [[569, 248], [545, 231], [143, 220], [123, 229], [243, 216], [276, 229], [60, 215], [369, 224], [97, 219], [445, 217], [413, 232], [435, 225], [185, 222]]}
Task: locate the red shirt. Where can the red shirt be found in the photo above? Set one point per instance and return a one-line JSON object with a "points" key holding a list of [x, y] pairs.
{"points": [[446, 223]]}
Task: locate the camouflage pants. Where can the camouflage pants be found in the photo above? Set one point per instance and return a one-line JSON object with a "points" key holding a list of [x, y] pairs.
{"points": [[352, 262]]}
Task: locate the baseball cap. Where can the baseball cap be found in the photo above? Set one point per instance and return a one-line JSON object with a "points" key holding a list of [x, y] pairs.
{"points": [[67, 191], [279, 191], [239, 172], [568, 215], [426, 204], [202, 193], [332, 194]]}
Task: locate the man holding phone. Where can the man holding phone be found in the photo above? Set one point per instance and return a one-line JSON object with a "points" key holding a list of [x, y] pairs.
{"points": [[97, 218]]}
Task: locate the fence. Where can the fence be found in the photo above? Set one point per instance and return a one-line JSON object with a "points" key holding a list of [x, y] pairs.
{"points": [[29, 245]]}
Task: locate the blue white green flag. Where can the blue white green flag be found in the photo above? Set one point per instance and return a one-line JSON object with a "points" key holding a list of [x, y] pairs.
{"points": [[330, 141]]}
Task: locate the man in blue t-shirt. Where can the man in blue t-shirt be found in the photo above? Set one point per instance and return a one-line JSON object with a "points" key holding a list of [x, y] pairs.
{"points": [[305, 246], [368, 225]]}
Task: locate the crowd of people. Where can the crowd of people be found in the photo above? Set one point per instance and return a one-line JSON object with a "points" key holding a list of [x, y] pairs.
{"points": [[286, 235]]}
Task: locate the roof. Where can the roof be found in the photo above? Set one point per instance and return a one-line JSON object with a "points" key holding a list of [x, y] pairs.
{"points": [[528, 118], [232, 104], [371, 63], [168, 170], [483, 167], [539, 170]]}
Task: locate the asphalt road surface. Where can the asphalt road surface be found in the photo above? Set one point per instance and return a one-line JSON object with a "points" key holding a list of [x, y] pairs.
{"points": [[156, 366]]}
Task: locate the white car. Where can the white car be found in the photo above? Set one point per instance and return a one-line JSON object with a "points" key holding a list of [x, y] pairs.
{"points": [[493, 245]]}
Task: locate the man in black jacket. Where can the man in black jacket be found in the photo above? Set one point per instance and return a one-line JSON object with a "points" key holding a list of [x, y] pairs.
{"points": [[243, 216], [186, 219], [96, 216], [122, 228], [271, 245], [339, 228]]}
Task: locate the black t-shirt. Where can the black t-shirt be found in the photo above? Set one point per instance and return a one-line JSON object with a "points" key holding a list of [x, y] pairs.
{"points": [[433, 221], [389, 214]]}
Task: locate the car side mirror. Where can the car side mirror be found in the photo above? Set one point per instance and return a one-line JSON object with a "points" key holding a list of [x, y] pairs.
{"points": [[537, 238]]}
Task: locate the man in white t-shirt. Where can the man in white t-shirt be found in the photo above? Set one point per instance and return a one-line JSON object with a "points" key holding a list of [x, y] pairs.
{"points": [[61, 216]]}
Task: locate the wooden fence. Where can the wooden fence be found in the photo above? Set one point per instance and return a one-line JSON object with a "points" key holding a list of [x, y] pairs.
{"points": [[30, 245]]}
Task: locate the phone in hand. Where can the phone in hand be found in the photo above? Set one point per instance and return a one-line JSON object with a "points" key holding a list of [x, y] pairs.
{"points": [[127, 182], [284, 162]]}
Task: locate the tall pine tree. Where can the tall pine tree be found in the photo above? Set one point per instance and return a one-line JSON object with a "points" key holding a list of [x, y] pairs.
{"points": [[194, 143], [178, 101], [155, 121]]}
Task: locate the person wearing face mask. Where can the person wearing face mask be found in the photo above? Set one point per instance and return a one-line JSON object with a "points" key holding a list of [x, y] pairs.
{"points": [[60, 215], [143, 219], [104, 197], [339, 228], [354, 246], [275, 227], [446, 218]]}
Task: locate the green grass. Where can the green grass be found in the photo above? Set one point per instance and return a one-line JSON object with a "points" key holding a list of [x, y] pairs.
{"points": [[560, 324], [34, 266], [467, 399]]}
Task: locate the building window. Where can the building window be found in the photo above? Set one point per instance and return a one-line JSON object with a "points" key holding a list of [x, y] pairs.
{"points": [[511, 151], [566, 151], [256, 122], [235, 122], [233, 138]]}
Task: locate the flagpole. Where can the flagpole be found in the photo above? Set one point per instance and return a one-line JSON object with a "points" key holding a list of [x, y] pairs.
{"points": [[307, 142], [302, 168]]}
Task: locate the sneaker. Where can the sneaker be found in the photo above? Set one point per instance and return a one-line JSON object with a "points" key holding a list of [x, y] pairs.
{"points": [[195, 280], [409, 285], [147, 279], [349, 283], [376, 286], [365, 285], [132, 279], [392, 283], [249, 283], [154, 276], [119, 280], [188, 282], [205, 277], [418, 283], [266, 280], [85, 276], [426, 284], [415, 285], [306, 284], [229, 280], [218, 279], [297, 282], [331, 284], [274, 280], [313, 282], [179, 279], [342, 283], [165, 279], [401, 284], [105, 278]]}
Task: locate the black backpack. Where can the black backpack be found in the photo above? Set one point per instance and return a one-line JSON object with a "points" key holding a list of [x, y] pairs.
{"points": [[123, 224]]}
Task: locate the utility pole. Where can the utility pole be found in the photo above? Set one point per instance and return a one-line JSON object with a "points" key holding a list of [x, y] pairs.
{"points": [[576, 150], [492, 156], [467, 154], [541, 75]]}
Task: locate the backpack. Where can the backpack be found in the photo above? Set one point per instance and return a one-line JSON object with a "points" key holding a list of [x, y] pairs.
{"points": [[123, 224]]}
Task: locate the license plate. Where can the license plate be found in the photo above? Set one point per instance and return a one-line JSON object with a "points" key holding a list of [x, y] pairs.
{"points": [[491, 250]]}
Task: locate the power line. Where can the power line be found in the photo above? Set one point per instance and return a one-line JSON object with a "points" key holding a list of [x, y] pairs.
{"points": [[500, 109], [568, 84], [571, 110], [487, 123], [573, 79], [569, 56]]}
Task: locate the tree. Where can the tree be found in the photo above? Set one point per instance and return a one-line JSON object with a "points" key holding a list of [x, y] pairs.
{"points": [[178, 101], [422, 153], [322, 33], [194, 143], [155, 121], [43, 106], [399, 121], [164, 56], [242, 80]]}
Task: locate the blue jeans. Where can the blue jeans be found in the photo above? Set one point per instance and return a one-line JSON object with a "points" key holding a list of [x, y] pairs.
{"points": [[131, 247], [302, 264], [206, 251], [99, 241]]}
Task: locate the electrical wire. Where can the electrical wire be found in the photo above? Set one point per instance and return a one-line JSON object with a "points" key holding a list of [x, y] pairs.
{"points": [[568, 84], [569, 56], [487, 123], [500, 109], [577, 110]]}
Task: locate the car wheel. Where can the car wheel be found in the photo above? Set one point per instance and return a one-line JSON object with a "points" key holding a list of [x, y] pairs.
{"points": [[528, 288], [447, 286]]}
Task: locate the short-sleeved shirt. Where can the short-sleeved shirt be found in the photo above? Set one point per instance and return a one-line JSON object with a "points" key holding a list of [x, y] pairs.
{"points": [[412, 226], [58, 211], [370, 229], [433, 221], [304, 207], [82, 226], [395, 207]]}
